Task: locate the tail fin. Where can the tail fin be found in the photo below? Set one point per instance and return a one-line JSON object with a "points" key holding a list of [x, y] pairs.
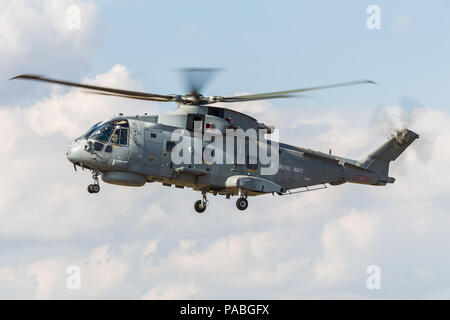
{"points": [[378, 161]]}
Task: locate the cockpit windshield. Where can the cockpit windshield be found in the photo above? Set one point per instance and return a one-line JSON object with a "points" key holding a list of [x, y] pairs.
{"points": [[103, 133], [89, 132]]}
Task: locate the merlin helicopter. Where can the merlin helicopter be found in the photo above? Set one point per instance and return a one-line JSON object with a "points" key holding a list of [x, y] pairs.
{"points": [[132, 150]]}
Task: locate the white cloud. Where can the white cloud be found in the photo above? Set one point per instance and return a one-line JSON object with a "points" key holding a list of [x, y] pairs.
{"points": [[35, 38], [47, 275], [349, 235], [150, 248], [177, 291]]}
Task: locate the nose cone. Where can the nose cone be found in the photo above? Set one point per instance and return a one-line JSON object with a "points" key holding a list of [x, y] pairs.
{"points": [[75, 152]]}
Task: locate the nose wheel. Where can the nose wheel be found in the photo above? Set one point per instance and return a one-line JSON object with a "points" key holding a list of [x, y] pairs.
{"points": [[95, 187], [200, 205]]}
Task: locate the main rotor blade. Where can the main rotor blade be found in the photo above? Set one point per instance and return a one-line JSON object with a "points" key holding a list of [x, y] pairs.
{"points": [[196, 78], [246, 98], [125, 93], [287, 93], [128, 96]]}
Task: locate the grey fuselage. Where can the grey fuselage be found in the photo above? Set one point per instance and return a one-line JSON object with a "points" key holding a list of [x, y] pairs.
{"points": [[145, 156]]}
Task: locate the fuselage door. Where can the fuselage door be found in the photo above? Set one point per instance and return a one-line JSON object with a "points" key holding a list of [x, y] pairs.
{"points": [[119, 143], [152, 148]]}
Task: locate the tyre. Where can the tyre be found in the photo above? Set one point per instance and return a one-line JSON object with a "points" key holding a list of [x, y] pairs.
{"points": [[241, 203], [199, 206]]}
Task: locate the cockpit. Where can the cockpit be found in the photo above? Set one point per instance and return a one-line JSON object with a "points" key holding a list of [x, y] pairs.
{"points": [[115, 132], [109, 140]]}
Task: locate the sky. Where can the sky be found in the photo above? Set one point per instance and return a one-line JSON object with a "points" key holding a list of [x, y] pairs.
{"points": [[147, 242]]}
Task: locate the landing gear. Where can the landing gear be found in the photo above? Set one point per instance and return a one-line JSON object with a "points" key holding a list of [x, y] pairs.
{"points": [[241, 203], [200, 205], [95, 187]]}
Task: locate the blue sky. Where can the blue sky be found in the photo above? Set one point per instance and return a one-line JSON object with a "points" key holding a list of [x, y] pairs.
{"points": [[266, 46]]}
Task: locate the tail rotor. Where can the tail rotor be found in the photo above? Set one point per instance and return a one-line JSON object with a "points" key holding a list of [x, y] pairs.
{"points": [[406, 115]]}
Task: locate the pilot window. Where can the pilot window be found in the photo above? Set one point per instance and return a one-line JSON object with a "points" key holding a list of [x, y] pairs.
{"points": [[120, 136], [115, 137]]}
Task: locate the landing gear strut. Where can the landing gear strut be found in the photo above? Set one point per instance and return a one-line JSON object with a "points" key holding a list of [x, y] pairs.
{"points": [[95, 187], [200, 205]]}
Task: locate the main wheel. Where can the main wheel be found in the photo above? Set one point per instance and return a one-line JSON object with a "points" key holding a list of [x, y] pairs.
{"points": [[90, 188], [95, 188], [199, 206], [241, 203]]}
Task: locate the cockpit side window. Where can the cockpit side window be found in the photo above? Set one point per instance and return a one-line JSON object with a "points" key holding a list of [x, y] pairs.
{"points": [[115, 137], [120, 136]]}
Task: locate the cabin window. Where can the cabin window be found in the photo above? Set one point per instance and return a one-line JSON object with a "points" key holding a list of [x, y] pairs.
{"points": [[123, 137], [152, 135], [217, 112], [170, 145], [195, 121]]}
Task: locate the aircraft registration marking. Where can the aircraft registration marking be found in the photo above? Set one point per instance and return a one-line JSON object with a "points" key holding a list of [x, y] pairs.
{"points": [[291, 169]]}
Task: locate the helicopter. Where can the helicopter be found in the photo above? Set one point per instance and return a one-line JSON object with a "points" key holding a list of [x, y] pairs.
{"points": [[132, 150]]}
